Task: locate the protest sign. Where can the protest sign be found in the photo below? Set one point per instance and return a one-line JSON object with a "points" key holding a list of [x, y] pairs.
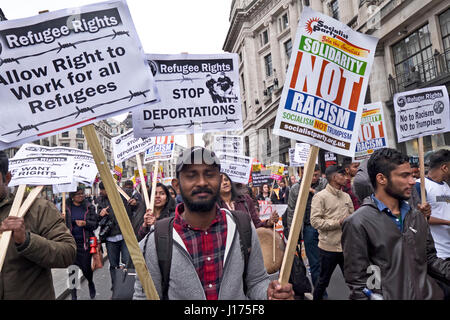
{"points": [[330, 159], [68, 68], [372, 131], [84, 168], [301, 152], [236, 167], [199, 93], [421, 112], [229, 144], [117, 173], [260, 178], [126, 146], [325, 84], [292, 162], [41, 170], [266, 209], [276, 171], [161, 149]]}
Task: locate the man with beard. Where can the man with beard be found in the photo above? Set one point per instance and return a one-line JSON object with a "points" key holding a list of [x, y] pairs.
{"points": [[206, 261], [387, 244]]}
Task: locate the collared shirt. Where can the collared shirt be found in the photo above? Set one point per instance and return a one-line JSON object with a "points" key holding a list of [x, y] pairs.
{"points": [[206, 248], [404, 209]]}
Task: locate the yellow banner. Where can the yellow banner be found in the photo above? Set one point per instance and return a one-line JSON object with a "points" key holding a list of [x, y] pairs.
{"points": [[344, 46]]}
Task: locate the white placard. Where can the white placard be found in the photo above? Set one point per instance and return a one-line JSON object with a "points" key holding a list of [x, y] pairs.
{"points": [[372, 131], [292, 162], [199, 93], [84, 167], [126, 146], [41, 170], [228, 144], [421, 112], [321, 102], [68, 68], [301, 152], [236, 167]]}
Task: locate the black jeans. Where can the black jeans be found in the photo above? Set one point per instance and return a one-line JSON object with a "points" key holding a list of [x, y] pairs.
{"points": [[328, 262]]}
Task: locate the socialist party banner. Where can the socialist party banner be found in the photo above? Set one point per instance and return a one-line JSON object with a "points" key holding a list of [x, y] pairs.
{"points": [[372, 131], [236, 167], [161, 150], [325, 84], [126, 146], [41, 170], [228, 144], [421, 112], [68, 68], [199, 93]]}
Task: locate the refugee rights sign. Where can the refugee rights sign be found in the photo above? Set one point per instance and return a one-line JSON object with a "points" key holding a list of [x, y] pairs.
{"points": [[236, 167], [41, 170], [229, 144], [421, 112], [126, 146], [199, 93], [325, 84], [68, 68], [372, 131]]}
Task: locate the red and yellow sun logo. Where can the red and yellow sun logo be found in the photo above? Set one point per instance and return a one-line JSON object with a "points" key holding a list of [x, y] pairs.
{"points": [[309, 24]]}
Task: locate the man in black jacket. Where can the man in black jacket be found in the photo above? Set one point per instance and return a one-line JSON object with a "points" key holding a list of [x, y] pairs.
{"points": [[111, 234], [387, 244]]}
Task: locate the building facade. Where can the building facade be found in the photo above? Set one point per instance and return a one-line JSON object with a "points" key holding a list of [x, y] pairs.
{"points": [[412, 34]]}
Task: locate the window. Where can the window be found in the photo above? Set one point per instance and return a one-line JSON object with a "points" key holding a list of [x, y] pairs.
{"points": [[335, 9], [80, 145], [65, 134], [288, 48], [245, 109], [269, 90], [283, 22], [268, 65], [65, 144], [80, 133], [242, 83], [412, 55], [444, 21], [264, 38]]}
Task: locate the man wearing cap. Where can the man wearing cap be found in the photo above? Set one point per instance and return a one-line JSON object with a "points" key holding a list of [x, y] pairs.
{"points": [[329, 208], [40, 241], [207, 261]]}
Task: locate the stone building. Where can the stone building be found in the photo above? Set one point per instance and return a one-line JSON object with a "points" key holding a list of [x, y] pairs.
{"points": [[412, 34]]}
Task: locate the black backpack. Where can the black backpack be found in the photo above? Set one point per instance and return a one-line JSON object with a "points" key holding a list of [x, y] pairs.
{"points": [[164, 245]]}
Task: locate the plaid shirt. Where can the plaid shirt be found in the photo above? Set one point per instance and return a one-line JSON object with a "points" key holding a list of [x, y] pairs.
{"points": [[207, 249]]}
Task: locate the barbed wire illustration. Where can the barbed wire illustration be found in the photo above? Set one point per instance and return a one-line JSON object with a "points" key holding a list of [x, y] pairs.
{"points": [[80, 111], [64, 46], [189, 124]]}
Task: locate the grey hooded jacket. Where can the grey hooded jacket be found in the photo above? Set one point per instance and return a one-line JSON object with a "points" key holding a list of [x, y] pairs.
{"points": [[371, 240], [184, 282]]}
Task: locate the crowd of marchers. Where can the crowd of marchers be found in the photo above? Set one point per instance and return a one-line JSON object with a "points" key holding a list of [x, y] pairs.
{"points": [[200, 240]]}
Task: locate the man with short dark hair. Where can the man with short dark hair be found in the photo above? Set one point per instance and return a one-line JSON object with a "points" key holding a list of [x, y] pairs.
{"points": [[351, 168], [207, 261], [40, 241], [438, 196], [390, 238], [329, 208]]}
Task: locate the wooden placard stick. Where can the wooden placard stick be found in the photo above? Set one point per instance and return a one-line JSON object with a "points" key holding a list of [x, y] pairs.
{"points": [[34, 193], [423, 195], [123, 193], [154, 180], [274, 232], [120, 213], [63, 204], [143, 186], [6, 236], [299, 213]]}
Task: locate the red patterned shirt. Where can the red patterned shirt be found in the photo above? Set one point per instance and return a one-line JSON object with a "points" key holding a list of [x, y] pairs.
{"points": [[206, 248]]}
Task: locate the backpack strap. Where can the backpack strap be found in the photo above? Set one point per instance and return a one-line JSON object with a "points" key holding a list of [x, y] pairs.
{"points": [[164, 247], [243, 225]]}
